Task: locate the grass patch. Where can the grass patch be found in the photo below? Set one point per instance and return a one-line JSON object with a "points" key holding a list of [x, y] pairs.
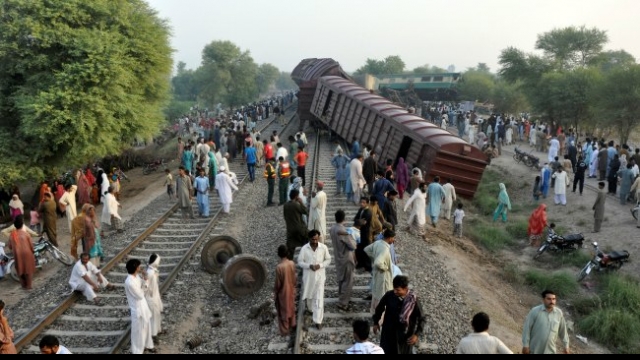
{"points": [[518, 229], [492, 237], [613, 317], [513, 274], [573, 258], [581, 222], [562, 283]]}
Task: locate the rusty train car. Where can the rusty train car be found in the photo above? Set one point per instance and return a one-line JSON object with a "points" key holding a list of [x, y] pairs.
{"points": [[354, 112], [306, 76]]}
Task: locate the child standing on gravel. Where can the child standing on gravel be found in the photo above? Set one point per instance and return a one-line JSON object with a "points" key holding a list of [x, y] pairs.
{"points": [[458, 215], [168, 182]]}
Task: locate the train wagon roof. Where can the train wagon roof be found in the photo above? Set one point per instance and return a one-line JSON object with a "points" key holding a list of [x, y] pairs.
{"points": [[312, 69], [415, 126]]}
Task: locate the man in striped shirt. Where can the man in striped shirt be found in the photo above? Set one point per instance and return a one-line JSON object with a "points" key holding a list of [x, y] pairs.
{"points": [[362, 346]]}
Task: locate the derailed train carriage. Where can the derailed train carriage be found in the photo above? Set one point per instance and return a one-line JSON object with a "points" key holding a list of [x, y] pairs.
{"points": [[354, 112]]}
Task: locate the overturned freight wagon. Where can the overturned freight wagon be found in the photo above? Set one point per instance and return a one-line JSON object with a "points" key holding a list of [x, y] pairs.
{"points": [[306, 76], [354, 112]]}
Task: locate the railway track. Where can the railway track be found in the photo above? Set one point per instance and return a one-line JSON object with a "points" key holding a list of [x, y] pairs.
{"points": [[88, 329], [336, 335]]}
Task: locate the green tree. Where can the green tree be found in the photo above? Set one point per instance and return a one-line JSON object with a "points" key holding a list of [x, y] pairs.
{"points": [[609, 60], [428, 69], [572, 47], [185, 85], [229, 74], [267, 76], [476, 86], [284, 82], [390, 65], [618, 100], [394, 65], [78, 80], [483, 67], [508, 98]]}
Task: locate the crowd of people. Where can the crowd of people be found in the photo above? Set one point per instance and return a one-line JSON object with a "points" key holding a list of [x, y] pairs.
{"points": [[367, 244]]}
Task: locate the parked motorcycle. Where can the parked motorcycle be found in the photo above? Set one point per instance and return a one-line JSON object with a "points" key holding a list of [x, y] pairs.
{"points": [[45, 253], [601, 262], [557, 243], [527, 158], [154, 166]]}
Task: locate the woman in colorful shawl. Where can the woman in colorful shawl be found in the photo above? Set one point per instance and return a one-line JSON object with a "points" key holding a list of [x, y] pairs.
{"points": [[84, 189], [504, 204], [92, 242], [213, 166], [537, 224], [90, 178], [402, 178]]}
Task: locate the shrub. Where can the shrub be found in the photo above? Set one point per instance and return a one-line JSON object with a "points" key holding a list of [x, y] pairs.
{"points": [[513, 274], [562, 283], [491, 237], [574, 258], [518, 229], [614, 327], [621, 292]]}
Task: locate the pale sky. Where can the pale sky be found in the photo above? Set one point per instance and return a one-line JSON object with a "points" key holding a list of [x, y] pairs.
{"points": [[436, 32]]}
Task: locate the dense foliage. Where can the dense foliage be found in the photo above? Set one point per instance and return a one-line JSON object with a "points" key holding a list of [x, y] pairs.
{"points": [[576, 83], [228, 76], [78, 80]]}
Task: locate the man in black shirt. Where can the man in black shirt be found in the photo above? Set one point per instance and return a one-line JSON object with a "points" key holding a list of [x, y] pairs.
{"points": [[403, 319], [362, 259], [581, 168]]}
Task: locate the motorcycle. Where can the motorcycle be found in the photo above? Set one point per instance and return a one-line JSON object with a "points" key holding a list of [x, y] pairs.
{"points": [[601, 262], [44, 252], [557, 243], [154, 166], [527, 158]]}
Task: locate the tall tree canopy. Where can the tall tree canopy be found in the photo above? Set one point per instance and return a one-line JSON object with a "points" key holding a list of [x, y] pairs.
{"points": [[428, 69], [575, 82], [78, 80], [390, 65], [227, 75], [572, 47]]}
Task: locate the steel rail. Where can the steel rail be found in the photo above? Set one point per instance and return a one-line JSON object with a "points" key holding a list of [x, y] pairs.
{"points": [[166, 284], [302, 304], [28, 337]]}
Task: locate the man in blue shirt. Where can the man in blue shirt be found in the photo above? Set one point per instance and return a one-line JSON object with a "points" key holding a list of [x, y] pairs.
{"points": [[250, 156], [201, 184], [355, 149]]}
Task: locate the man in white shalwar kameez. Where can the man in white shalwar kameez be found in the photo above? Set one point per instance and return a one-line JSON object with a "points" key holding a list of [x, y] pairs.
{"points": [[418, 205], [560, 190], [593, 164], [382, 267], [225, 187], [449, 198], [87, 279], [554, 148], [134, 287], [152, 294], [69, 201], [317, 213], [313, 260], [110, 211], [357, 179]]}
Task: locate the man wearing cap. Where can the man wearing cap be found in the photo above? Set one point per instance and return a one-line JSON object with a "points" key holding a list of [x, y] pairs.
{"points": [[317, 216], [599, 207]]}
